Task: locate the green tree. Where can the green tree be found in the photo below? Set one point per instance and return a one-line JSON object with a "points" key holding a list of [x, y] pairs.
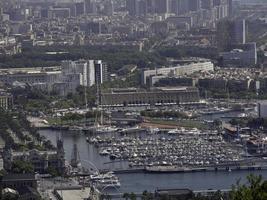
{"points": [[147, 195], [126, 195], [254, 189], [20, 166], [52, 171], [132, 196]]}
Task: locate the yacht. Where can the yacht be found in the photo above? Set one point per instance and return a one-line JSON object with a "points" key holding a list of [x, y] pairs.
{"points": [[105, 129], [130, 129], [104, 152], [153, 131], [108, 184], [173, 131], [105, 180]]}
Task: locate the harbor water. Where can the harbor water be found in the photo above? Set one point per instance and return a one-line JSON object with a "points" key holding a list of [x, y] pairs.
{"points": [[138, 182]]}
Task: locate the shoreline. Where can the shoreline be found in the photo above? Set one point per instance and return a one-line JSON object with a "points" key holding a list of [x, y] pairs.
{"points": [[190, 170]]}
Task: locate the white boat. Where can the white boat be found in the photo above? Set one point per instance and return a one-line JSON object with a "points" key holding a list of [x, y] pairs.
{"points": [[106, 180], [108, 175], [108, 184], [105, 129], [104, 152], [130, 129], [153, 131], [174, 131]]}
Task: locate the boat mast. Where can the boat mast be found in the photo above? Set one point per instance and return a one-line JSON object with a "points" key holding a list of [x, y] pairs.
{"points": [[98, 92], [75, 160], [86, 105]]}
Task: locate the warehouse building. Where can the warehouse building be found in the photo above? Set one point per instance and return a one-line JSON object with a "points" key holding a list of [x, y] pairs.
{"points": [[159, 96]]}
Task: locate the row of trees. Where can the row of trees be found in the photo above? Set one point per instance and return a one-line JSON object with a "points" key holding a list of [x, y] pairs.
{"points": [[115, 56], [17, 123]]}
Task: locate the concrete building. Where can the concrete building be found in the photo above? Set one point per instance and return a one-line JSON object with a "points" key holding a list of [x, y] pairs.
{"points": [[212, 83], [29, 77], [207, 4], [137, 7], [162, 81], [6, 100], [236, 85], [90, 6], [179, 7], [91, 71], [41, 160], [262, 109], [194, 5], [240, 31], [160, 28], [64, 81], [243, 56], [79, 8], [162, 6], [154, 97], [179, 70], [16, 181], [22, 185], [59, 13], [229, 33]]}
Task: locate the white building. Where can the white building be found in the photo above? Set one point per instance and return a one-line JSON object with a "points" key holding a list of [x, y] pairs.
{"points": [[90, 71], [179, 70]]}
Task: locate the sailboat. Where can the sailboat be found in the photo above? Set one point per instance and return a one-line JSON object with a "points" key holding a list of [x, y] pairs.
{"points": [[100, 128]]}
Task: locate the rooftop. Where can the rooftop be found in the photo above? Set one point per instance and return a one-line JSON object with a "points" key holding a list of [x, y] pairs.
{"points": [[77, 194], [18, 177]]}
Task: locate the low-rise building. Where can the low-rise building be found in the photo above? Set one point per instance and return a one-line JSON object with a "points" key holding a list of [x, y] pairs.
{"points": [[154, 97], [262, 109], [22, 185], [235, 85], [62, 80], [6, 100], [41, 160], [244, 56], [160, 81], [186, 69], [212, 83]]}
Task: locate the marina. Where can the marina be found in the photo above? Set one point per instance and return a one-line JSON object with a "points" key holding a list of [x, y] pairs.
{"points": [[192, 149], [109, 153], [222, 178]]}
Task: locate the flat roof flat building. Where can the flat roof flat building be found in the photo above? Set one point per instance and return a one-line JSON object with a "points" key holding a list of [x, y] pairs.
{"points": [[178, 70], [154, 97]]}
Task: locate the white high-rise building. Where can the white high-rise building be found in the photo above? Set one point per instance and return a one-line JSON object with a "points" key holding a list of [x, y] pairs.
{"points": [[91, 71]]}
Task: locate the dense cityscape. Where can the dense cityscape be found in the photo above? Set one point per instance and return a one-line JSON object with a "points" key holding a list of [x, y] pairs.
{"points": [[133, 99]]}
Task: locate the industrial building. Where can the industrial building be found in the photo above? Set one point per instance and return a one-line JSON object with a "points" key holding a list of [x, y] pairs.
{"points": [[159, 96]]}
